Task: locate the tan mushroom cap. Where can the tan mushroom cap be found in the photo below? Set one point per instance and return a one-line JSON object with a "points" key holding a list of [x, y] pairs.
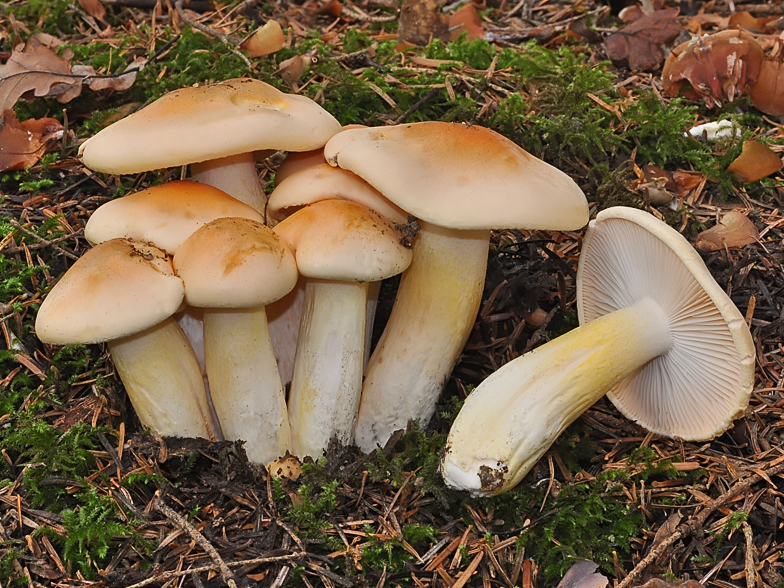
{"points": [[209, 122], [460, 177], [704, 381], [343, 240], [116, 289], [322, 182], [164, 215], [235, 263]]}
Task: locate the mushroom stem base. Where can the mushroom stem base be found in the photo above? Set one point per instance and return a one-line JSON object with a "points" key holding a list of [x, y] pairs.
{"points": [[327, 378], [163, 379], [244, 381], [513, 417]]}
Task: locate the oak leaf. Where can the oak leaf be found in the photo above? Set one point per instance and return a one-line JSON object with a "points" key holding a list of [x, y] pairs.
{"points": [[421, 21], [37, 71], [23, 144], [640, 43]]}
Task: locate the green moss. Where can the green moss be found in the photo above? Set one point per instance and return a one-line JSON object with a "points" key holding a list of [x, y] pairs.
{"points": [[55, 17]]}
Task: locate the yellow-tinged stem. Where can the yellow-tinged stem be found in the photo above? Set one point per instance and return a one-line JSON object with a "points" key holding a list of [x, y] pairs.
{"points": [[434, 312], [244, 381], [236, 175], [513, 417], [163, 379], [327, 378]]}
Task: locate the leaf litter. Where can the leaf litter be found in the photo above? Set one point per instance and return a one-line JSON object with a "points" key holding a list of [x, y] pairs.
{"points": [[91, 500]]}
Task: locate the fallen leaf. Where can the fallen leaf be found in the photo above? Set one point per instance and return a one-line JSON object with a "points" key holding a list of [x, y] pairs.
{"points": [[767, 92], [715, 68], [292, 69], [466, 19], [421, 21], [756, 161], [94, 8], [640, 43], [38, 71], [23, 144], [686, 181], [732, 231], [746, 20], [583, 575], [659, 583], [267, 39]]}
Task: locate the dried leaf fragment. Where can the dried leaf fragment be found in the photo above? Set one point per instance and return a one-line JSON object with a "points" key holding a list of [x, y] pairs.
{"points": [[466, 19], [23, 144], [732, 231], [583, 574], [767, 93], [421, 21], [267, 39], [640, 43], [714, 68], [756, 161]]}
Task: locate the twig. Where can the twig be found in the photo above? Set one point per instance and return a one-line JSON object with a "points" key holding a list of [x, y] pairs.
{"points": [[432, 93], [42, 242], [182, 523], [695, 522], [349, 9], [750, 571], [162, 577], [230, 41]]}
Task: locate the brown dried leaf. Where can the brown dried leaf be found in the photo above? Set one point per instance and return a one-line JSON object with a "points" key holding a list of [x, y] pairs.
{"points": [[748, 21], [733, 230], [583, 575], [35, 70], [756, 161], [640, 43], [686, 181], [94, 8], [38, 71], [715, 68], [421, 21], [767, 93], [466, 18], [23, 144]]}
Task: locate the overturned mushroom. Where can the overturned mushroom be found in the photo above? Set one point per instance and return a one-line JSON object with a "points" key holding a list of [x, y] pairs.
{"points": [[658, 336]]}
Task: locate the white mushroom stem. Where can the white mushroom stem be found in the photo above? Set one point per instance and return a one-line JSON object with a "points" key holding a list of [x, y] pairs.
{"points": [[284, 318], [434, 312], [515, 415], [244, 381], [327, 378], [164, 382], [236, 175]]}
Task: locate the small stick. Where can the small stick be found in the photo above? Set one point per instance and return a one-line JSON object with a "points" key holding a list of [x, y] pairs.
{"points": [[750, 571], [230, 41], [182, 523], [432, 93], [234, 564]]}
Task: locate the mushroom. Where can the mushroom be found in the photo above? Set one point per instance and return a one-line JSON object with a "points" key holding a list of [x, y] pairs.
{"points": [[461, 181], [125, 292], [216, 129], [339, 246], [658, 336], [767, 92], [166, 215], [232, 268]]}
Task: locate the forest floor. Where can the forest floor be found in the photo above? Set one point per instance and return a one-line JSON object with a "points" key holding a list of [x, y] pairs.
{"points": [[87, 498]]}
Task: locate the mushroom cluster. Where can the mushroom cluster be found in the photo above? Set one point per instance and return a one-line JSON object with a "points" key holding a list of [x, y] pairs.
{"points": [[197, 352], [214, 299]]}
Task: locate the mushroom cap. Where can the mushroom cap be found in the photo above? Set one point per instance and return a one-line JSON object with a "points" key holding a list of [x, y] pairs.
{"points": [[235, 263], [460, 177], [343, 240], [201, 123], [164, 215], [703, 382], [323, 182], [117, 288]]}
